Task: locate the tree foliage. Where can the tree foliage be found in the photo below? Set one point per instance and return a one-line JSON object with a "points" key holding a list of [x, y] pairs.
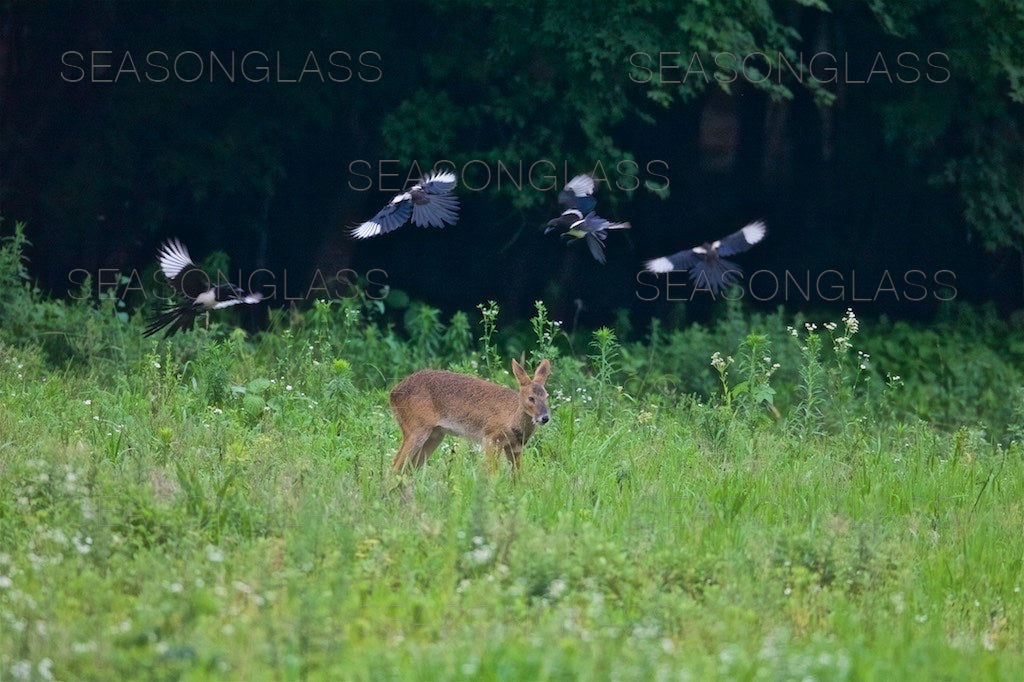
{"points": [[117, 167]]}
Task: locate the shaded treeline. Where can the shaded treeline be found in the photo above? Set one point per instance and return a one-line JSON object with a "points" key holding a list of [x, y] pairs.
{"points": [[887, 165]]}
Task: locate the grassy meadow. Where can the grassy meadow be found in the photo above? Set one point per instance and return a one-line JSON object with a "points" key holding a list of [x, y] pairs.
{"points": [[770, 498]]}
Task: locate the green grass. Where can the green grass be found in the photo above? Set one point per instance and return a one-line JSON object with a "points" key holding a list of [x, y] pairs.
{"points": [[222, 507], [233, 516]]}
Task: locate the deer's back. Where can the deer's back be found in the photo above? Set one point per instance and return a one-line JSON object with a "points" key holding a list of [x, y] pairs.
{"points": [[460, 403]]}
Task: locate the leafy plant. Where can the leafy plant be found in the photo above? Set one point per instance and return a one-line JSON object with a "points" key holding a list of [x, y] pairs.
{"points": [[604, 358]]}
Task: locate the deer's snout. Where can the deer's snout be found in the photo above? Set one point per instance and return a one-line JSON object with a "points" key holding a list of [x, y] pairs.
{"points": [[542, 418]]}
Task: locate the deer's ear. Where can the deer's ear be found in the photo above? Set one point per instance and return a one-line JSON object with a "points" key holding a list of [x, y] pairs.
{"points": [[543, 371], [521, 376]]}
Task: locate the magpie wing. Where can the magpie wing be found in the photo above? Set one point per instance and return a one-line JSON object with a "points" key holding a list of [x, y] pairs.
{"points": [[177, 266], [569, 217], [595, 223], [741, 240], [682, 260], [437, 182], [243, 298], [596, 245], [439, 210], [579, 194], [173, 258], [433, 203], [389, 218]]}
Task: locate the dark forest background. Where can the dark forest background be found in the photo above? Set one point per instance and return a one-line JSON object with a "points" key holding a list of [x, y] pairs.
{"points": [[909, 156]]}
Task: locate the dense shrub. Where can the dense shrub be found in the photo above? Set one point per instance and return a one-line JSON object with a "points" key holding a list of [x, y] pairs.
{"points": [[813, 373]]}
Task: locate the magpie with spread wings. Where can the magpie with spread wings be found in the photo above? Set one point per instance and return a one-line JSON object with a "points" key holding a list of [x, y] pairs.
{"points": [[429, 203], [201, 295], [579, 219], [706, 263]]}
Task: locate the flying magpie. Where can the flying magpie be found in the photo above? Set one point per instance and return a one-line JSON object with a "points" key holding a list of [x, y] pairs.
{"points": [[579, 219], [429, 203], [706, 263], [195, 285]]}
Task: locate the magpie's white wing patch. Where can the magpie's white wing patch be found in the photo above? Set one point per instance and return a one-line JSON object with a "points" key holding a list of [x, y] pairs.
{"points": [[366, 230], [754, 232], [662, 264], [437, 182], [248, 298], [227, 304], [173, 258], [580, 186]]}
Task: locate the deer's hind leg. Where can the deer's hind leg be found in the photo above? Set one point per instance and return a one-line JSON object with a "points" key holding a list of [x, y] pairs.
{"points": [[412, 443], [433, 440]]}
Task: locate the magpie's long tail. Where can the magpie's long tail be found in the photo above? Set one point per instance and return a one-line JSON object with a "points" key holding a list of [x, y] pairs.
{"points": [[715, 274], [174, 319]]}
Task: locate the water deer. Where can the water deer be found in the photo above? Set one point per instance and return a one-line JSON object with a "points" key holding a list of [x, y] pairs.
{"points": [[430, 404]]}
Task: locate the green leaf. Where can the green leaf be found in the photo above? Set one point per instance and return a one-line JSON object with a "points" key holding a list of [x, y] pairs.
{"points": [[257, 386], [253, 404]]}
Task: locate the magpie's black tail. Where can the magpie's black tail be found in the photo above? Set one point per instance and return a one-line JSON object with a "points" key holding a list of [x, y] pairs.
{"points": [[174, 319], [714, 275]]}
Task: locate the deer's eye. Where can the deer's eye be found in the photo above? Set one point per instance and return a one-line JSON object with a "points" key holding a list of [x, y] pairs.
{"points": [[531, 399]]}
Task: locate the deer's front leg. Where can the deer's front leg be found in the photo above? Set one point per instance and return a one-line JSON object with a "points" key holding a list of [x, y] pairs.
{"points": [[491, 448], [513, 453]]}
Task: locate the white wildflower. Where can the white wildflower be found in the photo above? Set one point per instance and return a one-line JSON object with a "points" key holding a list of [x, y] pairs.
{"points": [[481, 555], [21, 670], [720, 363], [83, 545]]}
